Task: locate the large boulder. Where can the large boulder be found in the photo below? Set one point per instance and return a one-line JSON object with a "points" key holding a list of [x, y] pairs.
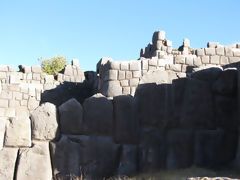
{"points": [[180, 149], [215, 148], [126, 127], [208, 75], [8, 158], [226, 84], [71, 117], [153, 105], [152, 150], [44, 122], [93, 157], [111, 88], [197, 110], [98, 115], [18, 132], [128, 160], [34, 162]]}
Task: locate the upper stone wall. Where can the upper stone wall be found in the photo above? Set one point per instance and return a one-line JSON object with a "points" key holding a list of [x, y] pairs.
{"points": [[122, 77]]}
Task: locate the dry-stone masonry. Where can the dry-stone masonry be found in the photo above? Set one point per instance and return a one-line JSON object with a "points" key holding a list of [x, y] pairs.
{"points": [[169, 109]]}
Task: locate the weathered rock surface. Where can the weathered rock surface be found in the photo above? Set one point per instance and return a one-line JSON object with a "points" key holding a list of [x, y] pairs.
{"points": [[98, 115], [92, 156], [208, 75], [71, 117], [2, 130], [8, 158], [128, 160], [126, 127], [34, 163], [152, 150], [18, 133], [111, 89], [180, 149], [44, 122]]}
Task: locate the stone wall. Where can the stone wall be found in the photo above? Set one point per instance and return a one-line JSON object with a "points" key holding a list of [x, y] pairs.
{"points": [[122, 77], [23, 89]]}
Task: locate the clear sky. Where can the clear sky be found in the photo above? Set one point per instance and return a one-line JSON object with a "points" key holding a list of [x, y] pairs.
{"points": [[91, 29]]}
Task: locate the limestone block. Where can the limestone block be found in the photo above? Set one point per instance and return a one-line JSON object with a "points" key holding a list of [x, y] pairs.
{"points": [[234, 59], [180, 152], [134, 82], [135, 65], [200, 52], [44, 122], [71, 117], [32, 91], [2, 130], [98, 115], [111, 89], [228, 51], [36, 69], [205, 59], [8, 158], [114, 65], [48, 79], [137, 74], [189, 60], [3, 75], [29, 76], [180, 59], [159, 44], [133, 90], [32, 103], [153, 62], [210, 51], [124, 83], [125, 125], [197, 61], [224, 60], [35, 163], [168, 43], [11, 68], [93, 156], [176, 67], [236, 52], [158, 35], [186, 42], [220, 51], [3, 68], [36, 76], [152, 150], [3, 103], [214, 59], [111, 75], [18, 132], [126, 90], [75, 62], [124, 66], [169, 50], [144, 64], [213, 44], [68, 70], [128, 161], [121, 75], [128, 74]]}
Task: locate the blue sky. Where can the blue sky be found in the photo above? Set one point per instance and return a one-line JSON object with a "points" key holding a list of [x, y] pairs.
{"points": [[91, 29]]}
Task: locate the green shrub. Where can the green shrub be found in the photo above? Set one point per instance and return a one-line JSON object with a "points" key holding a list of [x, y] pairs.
{"points": [[53, 65]]}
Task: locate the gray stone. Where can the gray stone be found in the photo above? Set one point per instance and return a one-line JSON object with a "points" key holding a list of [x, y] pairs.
{"points": [[124, 66], [226, 84], [159, 44], [34, 162], [200, 52], [180, 59], [126, 127], [32, 103], [2, 130], [228, 51], [168, 43], [128, 161], [111, 89], [68, 70], [144, 64], [71, 117], [121, 75], [210, 51], [176, 67], [135, 65], [220, 51], [94, 157], [180, 149], [152, 150], [111, 75], [8, 158], [208, 75], [189, 60], [201, 114], [126, 90], [115, 65], [128, 74], [214, 59], [224, 60], [36, 69], [44, 122], [234, 59], [137, 74], [98, 115], [158, 35], [134, 82], [18, 133], [124, 83], [205, 60], [197, 61]]}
